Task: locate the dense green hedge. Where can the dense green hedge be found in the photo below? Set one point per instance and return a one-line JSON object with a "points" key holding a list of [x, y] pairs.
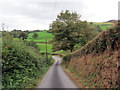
{"points": [[105, 40], [21, 64]]}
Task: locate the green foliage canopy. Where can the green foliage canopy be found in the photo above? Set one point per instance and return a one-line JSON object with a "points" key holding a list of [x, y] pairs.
{"points": [[35, 35], [23, 35], [69, 31]]}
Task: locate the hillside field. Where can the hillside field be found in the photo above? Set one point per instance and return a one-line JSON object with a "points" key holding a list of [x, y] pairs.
{"points": [[42, 36], [42, 47], [103, 25]]}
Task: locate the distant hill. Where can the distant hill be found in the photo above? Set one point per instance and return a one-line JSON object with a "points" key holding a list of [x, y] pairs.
{"points": [[111, 21]]}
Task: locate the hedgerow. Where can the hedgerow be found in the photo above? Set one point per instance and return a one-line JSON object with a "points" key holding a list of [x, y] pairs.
{"points": [[97, 62], [21, 64]]}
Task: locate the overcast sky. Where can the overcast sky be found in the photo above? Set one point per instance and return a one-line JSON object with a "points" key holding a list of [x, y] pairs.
{"points": [[39, 14]]}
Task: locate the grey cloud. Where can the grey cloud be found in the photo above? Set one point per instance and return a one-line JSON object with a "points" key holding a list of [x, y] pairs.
{"points": [[42, 8], [35, 12], [45, 11]]}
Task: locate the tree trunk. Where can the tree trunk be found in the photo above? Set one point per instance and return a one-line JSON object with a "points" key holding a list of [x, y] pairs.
{"points": [[71, 49]]}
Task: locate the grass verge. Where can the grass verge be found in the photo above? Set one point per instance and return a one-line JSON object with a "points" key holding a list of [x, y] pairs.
{"points": [[75, 78]]}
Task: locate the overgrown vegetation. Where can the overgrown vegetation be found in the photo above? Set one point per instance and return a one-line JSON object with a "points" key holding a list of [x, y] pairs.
{"points": [[97, 62], [22, 64], [19, 34]]}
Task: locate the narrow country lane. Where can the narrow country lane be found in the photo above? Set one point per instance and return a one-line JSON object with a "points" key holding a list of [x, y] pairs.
{"points": [[56, 77]]}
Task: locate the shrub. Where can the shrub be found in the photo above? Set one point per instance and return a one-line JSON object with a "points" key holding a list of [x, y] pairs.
{"points": [[22, 64]]}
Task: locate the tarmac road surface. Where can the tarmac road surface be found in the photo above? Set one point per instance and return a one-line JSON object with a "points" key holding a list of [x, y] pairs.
{"points": [[56, 77]]}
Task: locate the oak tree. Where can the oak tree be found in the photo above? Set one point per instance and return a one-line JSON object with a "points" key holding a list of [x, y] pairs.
{"points": [[69, 30]]}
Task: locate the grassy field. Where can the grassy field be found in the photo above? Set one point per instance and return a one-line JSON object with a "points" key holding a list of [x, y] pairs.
{"points": [[42, 36], [42, 47], [103, 25]]}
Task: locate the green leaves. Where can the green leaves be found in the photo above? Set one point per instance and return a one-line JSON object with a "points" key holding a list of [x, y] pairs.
{"points": [[35, 35], [70, 31], [21, 64]]}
